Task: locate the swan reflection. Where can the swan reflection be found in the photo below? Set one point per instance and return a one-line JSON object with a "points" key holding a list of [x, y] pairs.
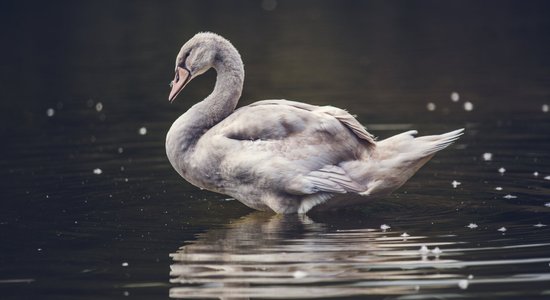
{"points": [[278, 257]]}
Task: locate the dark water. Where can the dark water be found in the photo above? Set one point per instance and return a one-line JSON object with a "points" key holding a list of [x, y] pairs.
{"points": [[100, 69]]}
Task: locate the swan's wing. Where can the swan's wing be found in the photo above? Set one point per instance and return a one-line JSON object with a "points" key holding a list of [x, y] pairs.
{"points": [[330, 178], [341, 115], [296, 145]]}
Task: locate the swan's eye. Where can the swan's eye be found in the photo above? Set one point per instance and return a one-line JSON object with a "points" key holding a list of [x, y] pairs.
{"points": [[184, 60]]}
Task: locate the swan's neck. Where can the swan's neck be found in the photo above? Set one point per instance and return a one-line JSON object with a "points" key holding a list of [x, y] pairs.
{"points": [[189, 127], [227, 91]]}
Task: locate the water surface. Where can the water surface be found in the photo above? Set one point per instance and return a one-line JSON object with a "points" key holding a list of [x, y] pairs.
{"points": [[91, 208]]}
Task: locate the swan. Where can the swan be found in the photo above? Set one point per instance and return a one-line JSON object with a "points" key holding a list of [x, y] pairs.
{"points": [[280, 155]]}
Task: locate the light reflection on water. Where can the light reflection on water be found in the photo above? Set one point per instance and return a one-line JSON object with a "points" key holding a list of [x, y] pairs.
{"points": [[281, 257], [67, 233]]}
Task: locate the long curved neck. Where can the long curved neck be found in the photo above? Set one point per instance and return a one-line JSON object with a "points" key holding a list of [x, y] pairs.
{"points": [[227, 91], [189, 127]]}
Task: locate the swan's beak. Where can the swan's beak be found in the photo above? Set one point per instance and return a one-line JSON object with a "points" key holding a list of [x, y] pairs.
{"points": [[182, 77]]}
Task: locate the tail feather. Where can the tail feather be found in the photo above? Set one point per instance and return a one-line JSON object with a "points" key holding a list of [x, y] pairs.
{"points": [[405, 144], [434, 143], [394, 160]]}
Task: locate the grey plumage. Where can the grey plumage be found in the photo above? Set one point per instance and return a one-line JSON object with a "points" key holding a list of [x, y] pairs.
{"points": [[281, 155]]}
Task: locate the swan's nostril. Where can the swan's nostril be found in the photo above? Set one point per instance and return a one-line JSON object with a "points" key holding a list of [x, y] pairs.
{"points": [[171, 84]]}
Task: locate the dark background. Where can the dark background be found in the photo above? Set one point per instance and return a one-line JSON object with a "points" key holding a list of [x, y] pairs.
{"points": [[69, 230]]}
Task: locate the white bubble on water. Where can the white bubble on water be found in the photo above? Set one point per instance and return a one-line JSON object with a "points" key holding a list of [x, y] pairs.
{"points": [[125, 264], [487, 156], [498, 188], [120, 150], [536, 174], [501, 170], [299, 274], [430, 106], [50, 112], [424, 250], [99, 106], [436, 251], [98, 171], [468, 106], [547, 177], [509, 196], [547, 204], [455, 183], [455, 96], [385, 227], [142, 131], [545, 108], [405, 235], [463, 284], [539, 225], [472, 225], [502, 229]]}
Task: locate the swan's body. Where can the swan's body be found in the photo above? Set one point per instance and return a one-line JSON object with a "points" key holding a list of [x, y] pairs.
{"points": [[281, 155]]}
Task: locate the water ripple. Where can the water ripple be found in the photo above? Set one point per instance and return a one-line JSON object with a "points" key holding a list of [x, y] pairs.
{"points": [[279, 257]]}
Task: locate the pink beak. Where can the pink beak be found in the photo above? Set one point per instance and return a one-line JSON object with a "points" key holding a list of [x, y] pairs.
{"points": [[182, 77]]}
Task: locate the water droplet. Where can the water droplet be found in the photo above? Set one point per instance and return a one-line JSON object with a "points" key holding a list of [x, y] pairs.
{"points": [[50, 112], [423, 250], [502, 229], [299, 274], [98, 171], [436, 251], [536, 174], [547, 177], [455, 96], [487, 156], [501, 170], [385, 227], [430, 106], [120, 150], [545, 108], [468, 106], [126, 293], [455, 183], [125, 264], [472, 225], [405, 235], [471, 276], [99, 106], [539, 225], [498, 188], [143, 131], [463, 284], [509, 196], [547, 204]]}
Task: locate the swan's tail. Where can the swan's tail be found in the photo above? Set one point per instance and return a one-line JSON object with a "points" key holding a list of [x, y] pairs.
{"points": [[400, 156], [406, 146]]}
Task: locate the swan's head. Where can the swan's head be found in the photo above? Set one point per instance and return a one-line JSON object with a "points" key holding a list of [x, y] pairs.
{"points": [[195, 57]]}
